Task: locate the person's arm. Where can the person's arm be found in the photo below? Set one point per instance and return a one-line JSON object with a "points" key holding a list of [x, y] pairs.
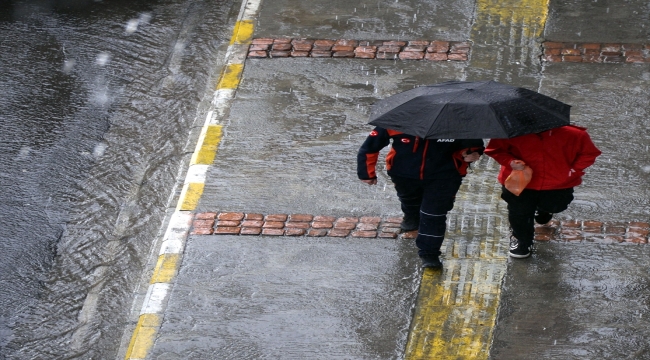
{"points": [[369, 153], [586, 156], [499, 150]]}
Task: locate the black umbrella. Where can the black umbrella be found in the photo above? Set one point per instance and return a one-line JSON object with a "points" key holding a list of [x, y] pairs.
{"points": [[469, 110]]}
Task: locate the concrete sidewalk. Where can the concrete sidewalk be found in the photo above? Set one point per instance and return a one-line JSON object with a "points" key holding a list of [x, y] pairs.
{"points": [[287, 144]]}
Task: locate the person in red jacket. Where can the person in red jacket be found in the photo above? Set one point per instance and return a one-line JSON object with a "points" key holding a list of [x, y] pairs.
{"points": [[427, 174], [558, 158]]}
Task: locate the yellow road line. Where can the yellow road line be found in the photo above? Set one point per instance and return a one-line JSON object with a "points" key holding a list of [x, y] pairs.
{"points": [[243, 33], [208, 145], [166, 268], [143, 336]]}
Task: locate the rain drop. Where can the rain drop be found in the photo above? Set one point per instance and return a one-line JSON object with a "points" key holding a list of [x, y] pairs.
{"points": [[337, 95], [102, 58], [337, 17], [366, 82], [415, 17], [555, 342], [68, 65], [99, 150], [401, 71], [131, 26]]}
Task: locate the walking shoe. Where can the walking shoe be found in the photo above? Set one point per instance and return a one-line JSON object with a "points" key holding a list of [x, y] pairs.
{"points": [[431, 262], [518, 250], [542, 217], [410, 223]]}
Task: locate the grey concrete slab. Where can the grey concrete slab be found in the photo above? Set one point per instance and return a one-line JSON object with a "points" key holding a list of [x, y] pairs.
{"points": [[576, 301], [377, 20], [243, 297], [604, 21], [294, 130], [612, 102]]}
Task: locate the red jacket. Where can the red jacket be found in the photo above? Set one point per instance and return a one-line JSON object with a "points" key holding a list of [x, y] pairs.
{"points": [[558, 156]]}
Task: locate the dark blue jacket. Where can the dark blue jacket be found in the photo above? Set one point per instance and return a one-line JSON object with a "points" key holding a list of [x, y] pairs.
{"points": [[414, 157]]}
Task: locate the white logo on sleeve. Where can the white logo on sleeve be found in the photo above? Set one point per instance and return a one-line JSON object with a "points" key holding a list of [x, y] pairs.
{"points": [[446, 140]]}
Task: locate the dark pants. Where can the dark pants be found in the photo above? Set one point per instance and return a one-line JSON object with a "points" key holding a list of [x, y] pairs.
{"points": [[430, 199], [521, 209]]}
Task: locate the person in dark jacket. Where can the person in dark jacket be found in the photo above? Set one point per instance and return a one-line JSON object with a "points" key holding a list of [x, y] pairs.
{"points": [[558, 158], [427, 174]]}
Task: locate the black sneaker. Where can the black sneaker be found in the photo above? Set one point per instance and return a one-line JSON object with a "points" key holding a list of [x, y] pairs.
{"points": [[431, 262], [410, 223], [517, 250], [542, 217]]}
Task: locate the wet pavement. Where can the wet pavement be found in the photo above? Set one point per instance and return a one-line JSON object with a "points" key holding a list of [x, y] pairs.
{"points": [[289, 141]]}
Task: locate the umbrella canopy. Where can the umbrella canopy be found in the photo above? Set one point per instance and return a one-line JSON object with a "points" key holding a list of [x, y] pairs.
{"points": [[469, 110]]}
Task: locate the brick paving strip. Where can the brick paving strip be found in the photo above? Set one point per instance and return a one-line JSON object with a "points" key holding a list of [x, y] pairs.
{"points": [[239, 223], [595, 52], [360, 49]]}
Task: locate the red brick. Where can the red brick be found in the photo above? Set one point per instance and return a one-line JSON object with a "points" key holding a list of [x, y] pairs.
{"points": [[394, 43], [367, 226], [410, 235], [438, 47], [639, 224], [390, 49], [282, 47], [387, 235], [544, 230], [263, 41], [227, 223], [553, 58], [348, 219], [324, 42], [637, 240], [614, 238], [230, 216], [637, 47], [592, 224], [342, 42], [254, 217], [202, 231], [370, 220], [415, 48], [227, 230], [615, 230], [365, 49], [205, 216], [613, 59], [552, 51], [203, 223], [591, 52], [634, 59], [276, 217], [436, 56], [299, 53], [322, 225], [552, 45], [411, 55], [345, 225], [252, 223], [273, 225], [297, 225], [573, 238], [342, 48], [386, 55], [321, 54], [610, 47], [338, 233], [294, 232], [418, 43], [570, 224], [458, 46], [611, 53], [570, 52], [257, 54], [279, 54], [570, 233], [591, 58], [592, 46], [321, 48], [629, 53], [317, 232], [633, 232], [393, 230], [301, 217], [320, 218], [250, 231], [457, 57], [572, 58], [302, 45], [543, 237], [364, 234], [273, 232], [343, 54], [282, 41]]}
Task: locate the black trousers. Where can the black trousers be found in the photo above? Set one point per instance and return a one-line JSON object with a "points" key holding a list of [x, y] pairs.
{"points": [[521, 209], [430, 199]]}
